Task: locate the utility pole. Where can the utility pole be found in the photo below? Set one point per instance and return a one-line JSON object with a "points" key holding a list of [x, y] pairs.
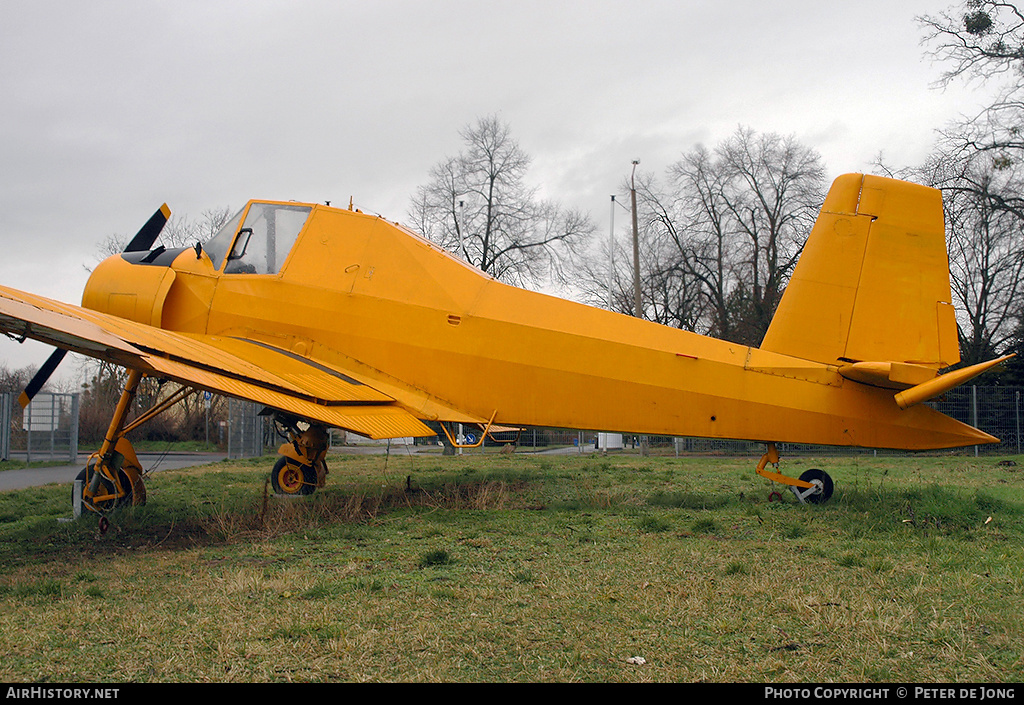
{"points": [[637, 309], [637, 306], [459, 226]]}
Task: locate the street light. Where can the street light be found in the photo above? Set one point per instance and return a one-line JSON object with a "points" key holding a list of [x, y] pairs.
{"points": [[608, 441], [637, 311]]}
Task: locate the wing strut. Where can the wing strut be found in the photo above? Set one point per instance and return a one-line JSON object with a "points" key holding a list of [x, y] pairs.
{"points": [[479, 443]]}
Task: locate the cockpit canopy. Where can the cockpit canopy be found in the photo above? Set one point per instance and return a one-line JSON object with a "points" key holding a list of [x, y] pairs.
{"points": [[260, 243]]}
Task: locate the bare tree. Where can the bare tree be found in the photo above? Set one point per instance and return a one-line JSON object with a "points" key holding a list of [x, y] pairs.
{"points": [[985, 241], [671, 295], [986, 261], [14, 381], [182, 231], [731, 223], [773, 190], [978, 165], [980, 39], [598, 278], [983, 41], [478, 205], [696, 219], [677, 288]]}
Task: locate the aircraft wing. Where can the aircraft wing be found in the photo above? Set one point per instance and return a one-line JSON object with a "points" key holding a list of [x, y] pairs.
{"points": [[232, 366]]}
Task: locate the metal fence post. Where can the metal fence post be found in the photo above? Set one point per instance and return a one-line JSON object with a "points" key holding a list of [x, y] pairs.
{"points": [[53, 423], [974, 407], [5, 425], [231, 419], [27, 417], [73, 430]]}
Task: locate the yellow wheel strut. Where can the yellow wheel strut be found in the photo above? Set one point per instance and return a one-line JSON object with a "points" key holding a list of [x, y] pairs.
{"points": [[814, 485]]}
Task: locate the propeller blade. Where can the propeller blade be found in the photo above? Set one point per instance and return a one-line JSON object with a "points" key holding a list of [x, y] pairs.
{"points": [[42, 375], [149, 232]]}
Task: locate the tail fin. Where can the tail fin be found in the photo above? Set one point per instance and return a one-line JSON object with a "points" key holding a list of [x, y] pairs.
{"points": [[872, 284]]}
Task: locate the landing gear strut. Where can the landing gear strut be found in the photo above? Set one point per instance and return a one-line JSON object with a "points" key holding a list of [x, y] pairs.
{"points": [[113, 476], [814, 486]]}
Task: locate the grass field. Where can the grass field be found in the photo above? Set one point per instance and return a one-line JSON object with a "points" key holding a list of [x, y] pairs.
{"points": [[526, 568]]}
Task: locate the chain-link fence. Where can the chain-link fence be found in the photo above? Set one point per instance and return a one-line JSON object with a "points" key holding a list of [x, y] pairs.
{"points": [[249, 434], [46, 429], [995, 410]]}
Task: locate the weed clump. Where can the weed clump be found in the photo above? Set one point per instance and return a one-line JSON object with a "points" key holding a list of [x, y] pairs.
{"points": [[432, 559]]}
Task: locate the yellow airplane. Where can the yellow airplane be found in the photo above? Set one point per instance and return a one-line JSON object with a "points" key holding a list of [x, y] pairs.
{"points": [[335, 318]]}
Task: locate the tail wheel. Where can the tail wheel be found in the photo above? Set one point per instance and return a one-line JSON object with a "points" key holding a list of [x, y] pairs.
{"points": [[821, 480], [103, 499], [287, 478]]}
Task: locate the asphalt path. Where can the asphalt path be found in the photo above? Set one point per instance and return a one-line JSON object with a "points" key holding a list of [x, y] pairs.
{"points": [[151, 462]]}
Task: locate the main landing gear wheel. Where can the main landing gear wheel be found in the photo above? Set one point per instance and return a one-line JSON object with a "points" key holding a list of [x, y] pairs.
{"points": [[103, 499], [821, 491], [290, 479]]}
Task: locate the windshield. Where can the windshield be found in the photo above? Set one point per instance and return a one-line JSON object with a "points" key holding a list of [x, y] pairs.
{"points": [[266, 238], [218, 245]]}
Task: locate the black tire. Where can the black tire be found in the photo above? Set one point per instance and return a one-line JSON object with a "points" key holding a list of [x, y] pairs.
{"points": [[291, 480], [108, 505], [824, 482]]}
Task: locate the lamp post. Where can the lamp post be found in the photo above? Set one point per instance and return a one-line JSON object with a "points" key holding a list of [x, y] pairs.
{"points": [[637, 310], [607, 441]]}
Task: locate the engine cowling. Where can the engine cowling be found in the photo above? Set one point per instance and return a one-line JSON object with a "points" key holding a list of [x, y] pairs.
{"points": [[127, 289]]}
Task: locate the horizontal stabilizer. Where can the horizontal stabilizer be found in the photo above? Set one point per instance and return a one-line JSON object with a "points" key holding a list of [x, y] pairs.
{"points": [[891, 375], [943, 383]]}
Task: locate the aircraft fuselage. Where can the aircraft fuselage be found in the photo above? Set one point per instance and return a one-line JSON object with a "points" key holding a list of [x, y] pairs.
{"points": [[362, 294]]}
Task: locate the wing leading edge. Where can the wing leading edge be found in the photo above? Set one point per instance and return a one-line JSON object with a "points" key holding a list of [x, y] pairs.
{"points": [[232, 366]]}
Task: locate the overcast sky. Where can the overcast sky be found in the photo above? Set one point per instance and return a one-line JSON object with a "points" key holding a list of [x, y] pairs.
{"points": [[109, 108]]}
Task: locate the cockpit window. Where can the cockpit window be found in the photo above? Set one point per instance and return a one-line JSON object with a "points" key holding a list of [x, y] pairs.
{"points": [[217, 246], [266, 238]]}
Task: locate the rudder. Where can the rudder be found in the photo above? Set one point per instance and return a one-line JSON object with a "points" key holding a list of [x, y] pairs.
{"points": [[872, 284]]}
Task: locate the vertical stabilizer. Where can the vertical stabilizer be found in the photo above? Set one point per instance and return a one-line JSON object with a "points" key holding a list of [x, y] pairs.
{"points": [[872, 283]]}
